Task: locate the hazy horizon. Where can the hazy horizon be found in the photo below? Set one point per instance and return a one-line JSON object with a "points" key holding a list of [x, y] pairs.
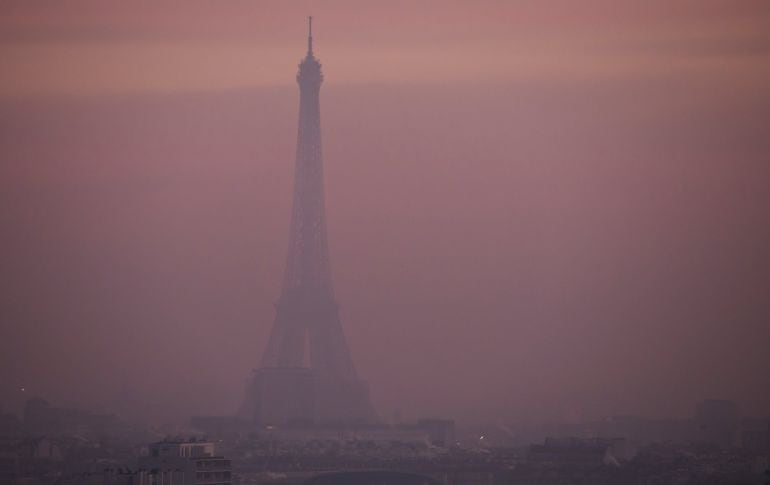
{"points": [[537, 210]]}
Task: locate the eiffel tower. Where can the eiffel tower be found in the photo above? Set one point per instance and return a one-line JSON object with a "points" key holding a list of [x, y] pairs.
{"points": [[307, 373]]}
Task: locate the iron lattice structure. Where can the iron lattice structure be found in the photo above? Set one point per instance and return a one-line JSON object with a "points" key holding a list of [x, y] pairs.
{"points": [[307, 337]]}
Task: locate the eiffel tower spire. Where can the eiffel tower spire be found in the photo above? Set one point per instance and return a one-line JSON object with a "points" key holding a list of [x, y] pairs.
{"points": [[310, 36]]}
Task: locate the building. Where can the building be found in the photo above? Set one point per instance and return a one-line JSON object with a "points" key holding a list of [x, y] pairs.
{"points": [[441, 432], [717, 423], [41, 418], [572, 452], [220, 427], [183, 463]]}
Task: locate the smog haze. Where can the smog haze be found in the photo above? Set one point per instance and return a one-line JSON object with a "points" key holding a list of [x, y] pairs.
{"points": [[536, 210]]}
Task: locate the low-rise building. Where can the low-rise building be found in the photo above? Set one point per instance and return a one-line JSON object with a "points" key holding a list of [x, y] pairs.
{"points": [[185, 463]]}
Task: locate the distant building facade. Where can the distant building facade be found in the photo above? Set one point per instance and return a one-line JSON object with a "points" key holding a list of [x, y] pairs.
{"points": [[717, 423], [41, 418], [183, 463], [572, 452]]}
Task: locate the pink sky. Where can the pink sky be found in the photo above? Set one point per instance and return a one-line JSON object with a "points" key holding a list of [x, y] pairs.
{"points": [[536, 209], [93, 48]]}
